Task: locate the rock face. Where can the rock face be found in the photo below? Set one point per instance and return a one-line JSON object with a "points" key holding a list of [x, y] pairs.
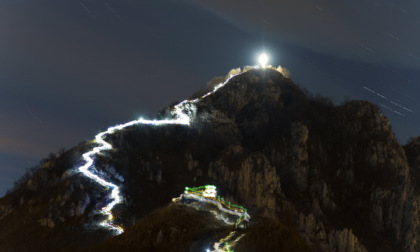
{"points": [[335, 174]]}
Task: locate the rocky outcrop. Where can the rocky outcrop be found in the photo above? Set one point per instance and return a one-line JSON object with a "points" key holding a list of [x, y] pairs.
{"points": [[5, 210], [47, 222], [255, 181], [334, 174], [332, 240]]}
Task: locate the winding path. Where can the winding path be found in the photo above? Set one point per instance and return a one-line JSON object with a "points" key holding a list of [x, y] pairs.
{"points": [[208, 195], [182, 114]]}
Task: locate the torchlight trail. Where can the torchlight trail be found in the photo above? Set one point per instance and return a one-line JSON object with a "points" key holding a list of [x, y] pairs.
{"points": [[182, 114], [207, 194], [223, 245]]}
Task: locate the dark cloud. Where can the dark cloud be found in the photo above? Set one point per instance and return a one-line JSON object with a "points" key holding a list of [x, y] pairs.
{"points": [[371, 31]]}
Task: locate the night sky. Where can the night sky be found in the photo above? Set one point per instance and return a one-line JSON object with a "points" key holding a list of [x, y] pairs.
{"points": [[69, 69]]}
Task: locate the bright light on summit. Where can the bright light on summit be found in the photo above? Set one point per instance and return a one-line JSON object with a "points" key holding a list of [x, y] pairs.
{"points": [[263, 59]]}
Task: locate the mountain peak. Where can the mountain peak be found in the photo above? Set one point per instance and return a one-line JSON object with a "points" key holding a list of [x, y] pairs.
{"points": [[325, 177]]}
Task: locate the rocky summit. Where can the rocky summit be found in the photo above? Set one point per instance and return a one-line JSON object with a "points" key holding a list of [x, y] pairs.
{"points": [[313, 176]]}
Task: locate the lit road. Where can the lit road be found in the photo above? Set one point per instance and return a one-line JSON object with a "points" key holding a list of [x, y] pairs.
{"points": [[181, 114], [208, 196]]}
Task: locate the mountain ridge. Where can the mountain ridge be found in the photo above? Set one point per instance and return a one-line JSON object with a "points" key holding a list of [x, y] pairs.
{"points": [[336, 175]]}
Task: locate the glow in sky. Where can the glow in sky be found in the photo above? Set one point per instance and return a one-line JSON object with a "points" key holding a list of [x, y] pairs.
{"points": [[263, 59]]}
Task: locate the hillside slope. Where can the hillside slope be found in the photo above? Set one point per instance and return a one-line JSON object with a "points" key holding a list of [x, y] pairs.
{"points": [[313, 176]]}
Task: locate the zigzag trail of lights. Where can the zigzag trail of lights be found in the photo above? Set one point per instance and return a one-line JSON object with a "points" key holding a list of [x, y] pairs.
{"points": [[224, 245], [209, 197], [181, 118], [214, 202]]}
